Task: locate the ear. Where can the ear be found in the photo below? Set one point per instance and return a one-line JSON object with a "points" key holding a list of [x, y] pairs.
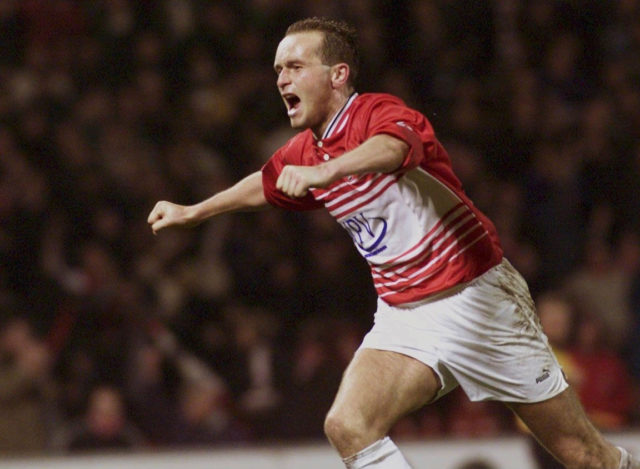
{"points": [[339, 75]]}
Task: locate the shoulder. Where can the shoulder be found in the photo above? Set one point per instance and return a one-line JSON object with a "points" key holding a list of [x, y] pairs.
{"points": [[371, 100], [376, 109], [383, 106]]}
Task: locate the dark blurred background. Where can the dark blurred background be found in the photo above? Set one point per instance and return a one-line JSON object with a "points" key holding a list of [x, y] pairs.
{"points": [[238, 331]]}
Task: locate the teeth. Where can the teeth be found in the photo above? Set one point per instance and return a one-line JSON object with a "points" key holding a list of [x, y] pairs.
{"points": [[293, 103]]}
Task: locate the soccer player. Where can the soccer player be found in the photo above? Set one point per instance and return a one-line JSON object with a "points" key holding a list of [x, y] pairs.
{"points": [[451, 310]]}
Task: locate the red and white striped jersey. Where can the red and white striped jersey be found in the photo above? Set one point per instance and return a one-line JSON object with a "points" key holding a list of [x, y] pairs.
{"points": [[416, 228]]}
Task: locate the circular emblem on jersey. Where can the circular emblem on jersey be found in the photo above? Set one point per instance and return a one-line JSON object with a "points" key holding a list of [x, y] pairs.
{"points": [[367, 233]]}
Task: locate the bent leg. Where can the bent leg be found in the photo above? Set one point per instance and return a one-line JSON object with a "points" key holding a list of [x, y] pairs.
{"points": [[562, 427], [378, 387]]}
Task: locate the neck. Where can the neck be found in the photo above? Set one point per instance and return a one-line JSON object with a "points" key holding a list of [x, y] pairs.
{"points": [[334, 108]]}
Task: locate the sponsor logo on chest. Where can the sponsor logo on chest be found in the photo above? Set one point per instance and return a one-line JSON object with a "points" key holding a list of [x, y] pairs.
{"points": [[368, 233]]}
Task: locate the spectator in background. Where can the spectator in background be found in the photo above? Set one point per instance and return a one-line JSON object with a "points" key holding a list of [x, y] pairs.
{"points": [[601, 377], [314, 378], [484, 419], [553, 206], [152, 390], [27, 392], [203, 409], [206, 417], [600, 287], [252, 375], [105, 426], [559, 321]]}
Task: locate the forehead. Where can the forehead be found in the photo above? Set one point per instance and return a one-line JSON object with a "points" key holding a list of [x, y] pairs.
{"points": [[299, 46]]}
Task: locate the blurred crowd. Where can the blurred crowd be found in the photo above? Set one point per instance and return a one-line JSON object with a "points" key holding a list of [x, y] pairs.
{"points": [[237, 331]]}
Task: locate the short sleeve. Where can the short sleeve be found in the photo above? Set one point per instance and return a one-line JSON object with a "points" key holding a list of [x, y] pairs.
{"points": [[270, 172], [392, 117]]}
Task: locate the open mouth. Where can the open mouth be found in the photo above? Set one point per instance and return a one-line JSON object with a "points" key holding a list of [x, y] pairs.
{"points": [[293, 103]]}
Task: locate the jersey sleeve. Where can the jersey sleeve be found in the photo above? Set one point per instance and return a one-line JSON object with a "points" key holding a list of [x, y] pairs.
{"points": [[392, 117], [270, 172]]}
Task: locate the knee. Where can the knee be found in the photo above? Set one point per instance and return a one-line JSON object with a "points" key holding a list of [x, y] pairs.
{"points": [[578, 455], [346, 433]]}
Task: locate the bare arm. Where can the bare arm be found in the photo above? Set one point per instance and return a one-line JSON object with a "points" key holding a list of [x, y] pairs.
{"points": [[246, 194], [379, 154]]}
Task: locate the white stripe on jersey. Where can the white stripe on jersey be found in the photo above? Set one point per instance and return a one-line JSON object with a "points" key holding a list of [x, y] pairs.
{"points": [[353, 185], [395, 291], [450, 237], [409, 254], [353, 194], [362, 200], [423, 270], [429, 249], [482, 235], [344, 122]]}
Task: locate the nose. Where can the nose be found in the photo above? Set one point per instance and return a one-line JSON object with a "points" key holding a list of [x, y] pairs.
{"points": [[283, 78]]}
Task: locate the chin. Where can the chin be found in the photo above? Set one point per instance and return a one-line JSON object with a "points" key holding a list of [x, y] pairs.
{"points": [[297, 124]]}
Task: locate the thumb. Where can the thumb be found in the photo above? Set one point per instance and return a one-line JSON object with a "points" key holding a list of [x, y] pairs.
{"points": [[157, 213]]}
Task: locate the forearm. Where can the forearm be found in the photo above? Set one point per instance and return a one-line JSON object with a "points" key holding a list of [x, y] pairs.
{"points": [[379, 154], [246, 195]]}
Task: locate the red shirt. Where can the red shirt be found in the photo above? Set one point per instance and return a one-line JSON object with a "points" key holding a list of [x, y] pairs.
{"points": [[415, 227]]}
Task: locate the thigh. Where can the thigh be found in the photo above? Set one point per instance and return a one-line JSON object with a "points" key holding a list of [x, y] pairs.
{"points": [[562, 427], [380, 386]]}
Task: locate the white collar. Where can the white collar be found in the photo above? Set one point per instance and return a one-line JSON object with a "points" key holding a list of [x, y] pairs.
{"points": [[331, 127]]}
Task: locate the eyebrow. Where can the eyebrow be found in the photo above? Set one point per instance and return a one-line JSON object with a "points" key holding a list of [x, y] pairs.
{"points": [[288, 63]]}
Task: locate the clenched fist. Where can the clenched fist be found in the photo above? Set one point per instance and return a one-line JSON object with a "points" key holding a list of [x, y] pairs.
{"points": [[167, 214], [295, 181]]}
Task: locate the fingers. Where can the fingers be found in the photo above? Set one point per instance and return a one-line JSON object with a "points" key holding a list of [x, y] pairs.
{"points": [[158, 217], [159, 224], [292, 181], [156, 213]]}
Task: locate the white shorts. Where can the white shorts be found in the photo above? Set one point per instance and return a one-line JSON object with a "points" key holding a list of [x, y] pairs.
{"points": [[485, 337]]}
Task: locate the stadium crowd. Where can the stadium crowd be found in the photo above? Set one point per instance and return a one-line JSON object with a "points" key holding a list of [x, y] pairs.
{"points": [[111, 338]]}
